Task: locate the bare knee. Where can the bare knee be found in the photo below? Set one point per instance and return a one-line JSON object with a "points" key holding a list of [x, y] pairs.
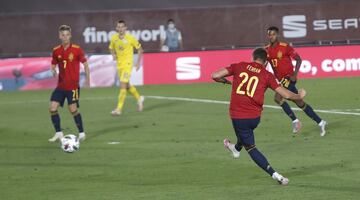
{"points": [[278, 100], [53, 107], [124, 85], [300, 103], [73, 109]]}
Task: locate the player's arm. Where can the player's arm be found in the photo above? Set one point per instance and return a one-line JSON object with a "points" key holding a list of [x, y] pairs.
{"points": [[140, 53], [83, 60], [54, 62], [87, 74], [290, 95], [113, 53], [53, 70], [219, 76], [291, 52], [297, 67], [112, 49]]}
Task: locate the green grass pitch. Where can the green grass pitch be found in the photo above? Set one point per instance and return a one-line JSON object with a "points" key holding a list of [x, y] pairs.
{"points": [[174, 150]]}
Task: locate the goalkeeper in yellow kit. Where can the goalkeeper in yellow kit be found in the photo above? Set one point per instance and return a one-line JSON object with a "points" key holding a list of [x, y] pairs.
{"points": [[122, 46]]}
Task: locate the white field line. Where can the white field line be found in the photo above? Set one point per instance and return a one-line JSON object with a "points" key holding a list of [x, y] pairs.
{"points": [[337, 111], [226, 102]]}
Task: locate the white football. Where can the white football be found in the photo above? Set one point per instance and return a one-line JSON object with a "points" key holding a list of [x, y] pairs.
{"points": [[70, 143]]}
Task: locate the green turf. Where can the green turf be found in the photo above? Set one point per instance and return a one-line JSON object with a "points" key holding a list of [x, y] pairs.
{"points": [[173, 150]]}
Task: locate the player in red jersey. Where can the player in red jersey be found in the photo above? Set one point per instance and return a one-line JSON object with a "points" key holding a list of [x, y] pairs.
{"points": [[250, 81], [67, 57], [280, 56]]}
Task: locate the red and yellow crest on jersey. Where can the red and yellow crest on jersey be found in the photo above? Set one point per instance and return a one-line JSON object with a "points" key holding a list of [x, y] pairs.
{"points": [[71, 57]]}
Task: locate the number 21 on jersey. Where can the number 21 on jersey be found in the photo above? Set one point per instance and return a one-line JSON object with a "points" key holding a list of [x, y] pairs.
{"points": [[248, 85]]}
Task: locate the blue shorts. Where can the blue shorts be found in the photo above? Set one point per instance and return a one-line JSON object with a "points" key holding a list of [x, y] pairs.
{"points": [[244, 129], [60, 95], [288, 84]]}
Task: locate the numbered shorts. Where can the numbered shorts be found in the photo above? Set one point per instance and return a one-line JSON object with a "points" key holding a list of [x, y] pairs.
{"points": [[244, 129], [288, 84], [72, 96], [124, 73]]}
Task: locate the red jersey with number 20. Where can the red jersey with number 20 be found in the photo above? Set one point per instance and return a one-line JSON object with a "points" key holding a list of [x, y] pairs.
{"points": [[280, 57], [68, 61], [250, 81]]}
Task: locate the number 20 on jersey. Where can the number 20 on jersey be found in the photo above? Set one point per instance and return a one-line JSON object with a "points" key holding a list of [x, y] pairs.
{"points": [[248, 85]]}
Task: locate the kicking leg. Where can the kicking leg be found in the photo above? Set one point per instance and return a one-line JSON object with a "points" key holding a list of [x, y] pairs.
{"points": [[263, 163], [246, 135]]}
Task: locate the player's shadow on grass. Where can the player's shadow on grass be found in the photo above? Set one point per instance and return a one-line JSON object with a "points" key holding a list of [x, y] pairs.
{"points": [[108, 130], [161, 105], [332, 127], [313, 169], [332, 188]]}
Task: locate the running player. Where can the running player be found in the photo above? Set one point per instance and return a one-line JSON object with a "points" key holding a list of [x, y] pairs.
{"points": [[67, 58], [122, 46], [250, 81], [280, 55]]}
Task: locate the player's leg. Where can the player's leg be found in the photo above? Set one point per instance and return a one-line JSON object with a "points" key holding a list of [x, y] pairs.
{"points": [[124, 80], [57, 99], [73, 105], [309, 111], [247, 137], [312, 114], [121, 99], [286, 108], [140, 99], [234, 148], [78, 120]]}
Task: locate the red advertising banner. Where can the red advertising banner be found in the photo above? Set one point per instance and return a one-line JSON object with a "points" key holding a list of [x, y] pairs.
{"points": [[188, 67], [176, 68], [325, 62], [192, 67]]}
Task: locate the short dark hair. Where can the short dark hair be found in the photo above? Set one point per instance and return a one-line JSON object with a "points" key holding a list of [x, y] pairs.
{"points": [[259, 53], [64, 28], [121, 22], [170, 20], [273, 28]]}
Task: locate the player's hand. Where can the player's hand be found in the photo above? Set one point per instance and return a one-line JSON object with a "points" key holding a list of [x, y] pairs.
{"points": [[87, 84], [54, 73], [302, 93], [227, 82], [137, 66]]}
